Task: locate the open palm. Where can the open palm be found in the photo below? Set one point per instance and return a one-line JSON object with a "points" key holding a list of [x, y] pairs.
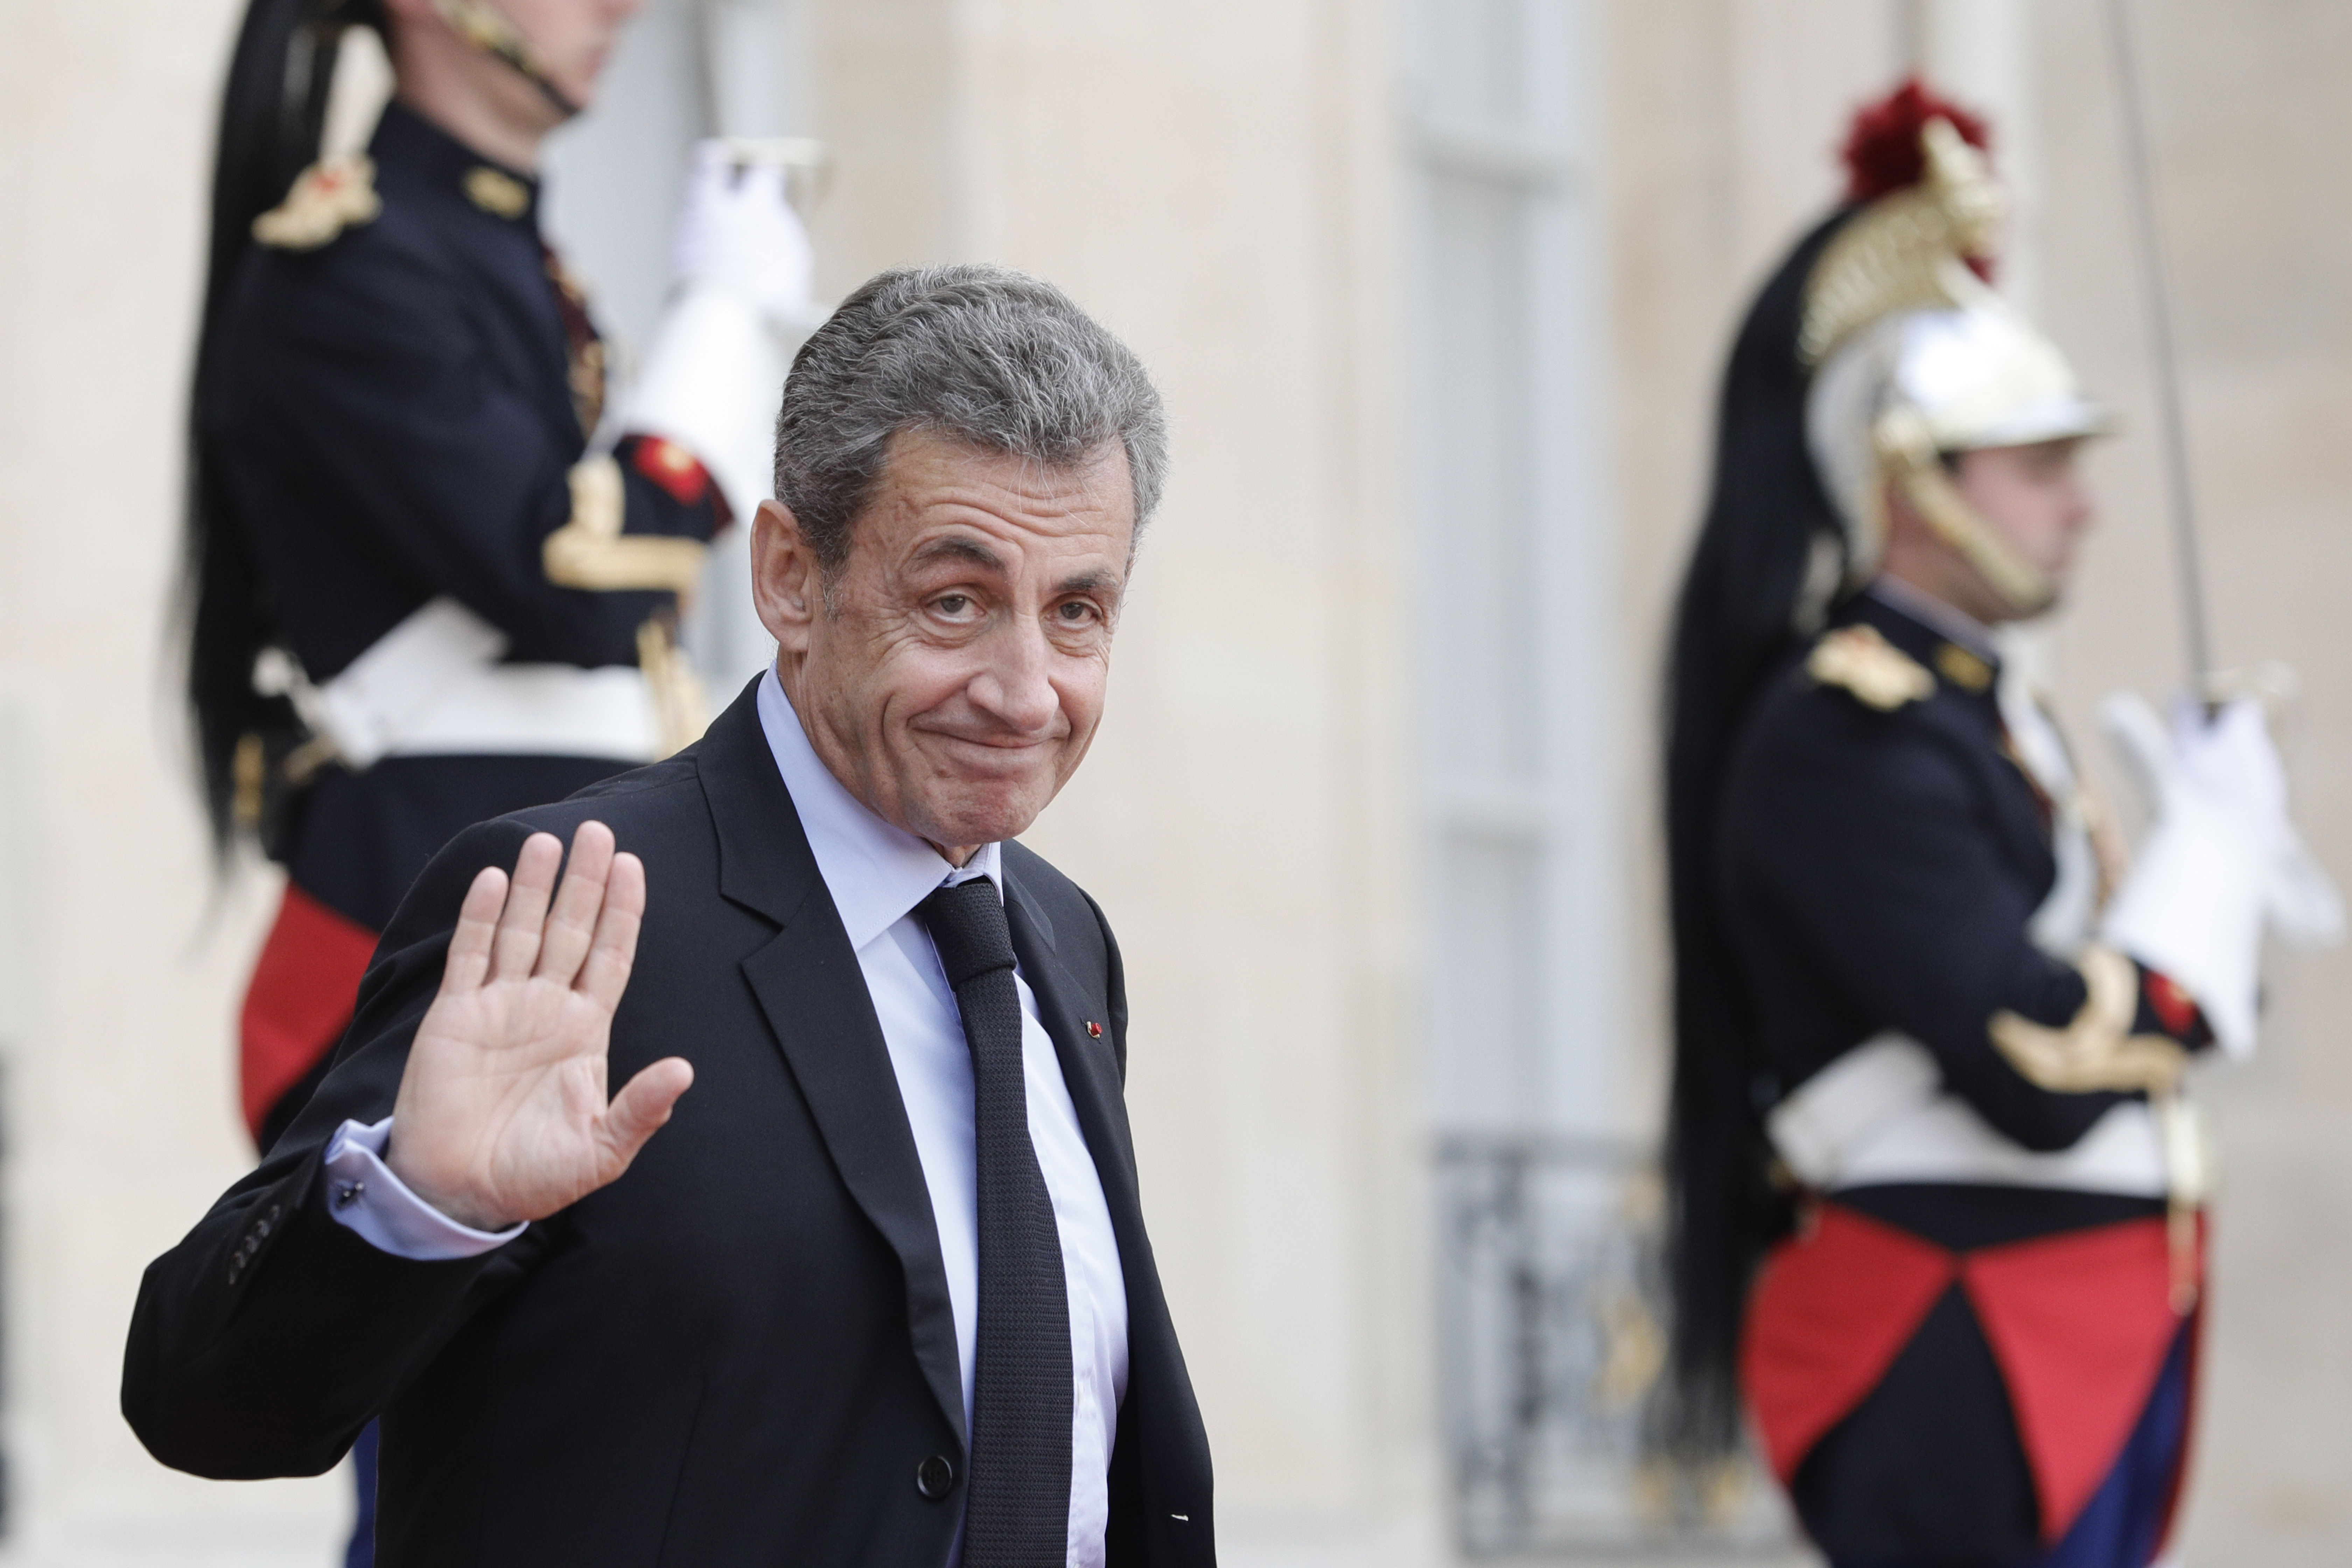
{"points": [[502, 1114]]}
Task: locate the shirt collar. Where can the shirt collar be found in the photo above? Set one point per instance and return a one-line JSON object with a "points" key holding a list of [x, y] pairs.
{"points": [[1954, 626], [877, 872]]}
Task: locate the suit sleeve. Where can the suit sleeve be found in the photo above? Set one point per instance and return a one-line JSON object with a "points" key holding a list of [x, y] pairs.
{"points": [[1867, 836], [265, 1341], [372, 386]]}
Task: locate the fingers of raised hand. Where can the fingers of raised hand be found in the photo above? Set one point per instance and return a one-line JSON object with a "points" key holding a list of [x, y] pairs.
{"points": [[524, 921], [477, 925], [615, 950], [572, 922], [643, 1104]]}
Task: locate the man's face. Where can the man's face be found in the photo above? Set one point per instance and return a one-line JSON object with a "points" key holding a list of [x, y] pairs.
{"points": [[571, 39], [2033, 497], [951, 676]]}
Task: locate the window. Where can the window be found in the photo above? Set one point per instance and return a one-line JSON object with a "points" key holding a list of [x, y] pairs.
{"points": [[1551, 1337], [1518, 658]]}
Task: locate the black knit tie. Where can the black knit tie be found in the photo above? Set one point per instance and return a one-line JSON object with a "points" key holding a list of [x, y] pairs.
{"points": [[1017, 1510]]}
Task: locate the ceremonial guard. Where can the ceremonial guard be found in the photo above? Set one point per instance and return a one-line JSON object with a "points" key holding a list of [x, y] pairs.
{"points": [[431, 579], [1936, 1181], [432, 582]]}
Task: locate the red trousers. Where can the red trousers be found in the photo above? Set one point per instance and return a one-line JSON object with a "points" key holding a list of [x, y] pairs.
{"points": [[2079, 1324], [299, 1000]]}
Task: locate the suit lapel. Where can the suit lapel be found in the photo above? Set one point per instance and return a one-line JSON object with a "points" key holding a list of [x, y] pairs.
{"points": [[1160, 1432], [1087, 1066], [814, 995]]}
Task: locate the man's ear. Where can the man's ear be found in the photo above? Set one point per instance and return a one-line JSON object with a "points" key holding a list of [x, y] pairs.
{"points": [[785, 587]]}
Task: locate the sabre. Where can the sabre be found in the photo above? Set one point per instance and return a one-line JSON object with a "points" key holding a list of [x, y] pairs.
{"points": [[2155, 289]]}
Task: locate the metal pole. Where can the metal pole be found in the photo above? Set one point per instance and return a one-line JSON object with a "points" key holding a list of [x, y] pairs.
{"points": [[2142, 190], [1911, 37], [710, 43]]}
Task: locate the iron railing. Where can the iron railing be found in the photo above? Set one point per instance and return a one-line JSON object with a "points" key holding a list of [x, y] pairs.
{"points": [[1552, 1343]]}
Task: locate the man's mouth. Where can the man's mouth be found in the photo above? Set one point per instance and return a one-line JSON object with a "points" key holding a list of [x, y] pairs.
{"points": [[993, 754]]}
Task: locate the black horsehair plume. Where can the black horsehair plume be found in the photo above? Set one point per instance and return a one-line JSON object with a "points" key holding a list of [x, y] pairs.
{"points": [[272, 115]]}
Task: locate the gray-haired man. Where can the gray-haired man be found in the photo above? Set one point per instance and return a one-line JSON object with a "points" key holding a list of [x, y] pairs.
{"points": [[882, 1294]]}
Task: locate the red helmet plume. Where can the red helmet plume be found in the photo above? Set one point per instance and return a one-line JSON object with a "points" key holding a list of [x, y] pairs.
{"points": [[1882, 148]]}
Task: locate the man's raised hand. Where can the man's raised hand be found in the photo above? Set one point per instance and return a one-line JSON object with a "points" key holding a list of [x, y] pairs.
{"points": [[502, 1114]]}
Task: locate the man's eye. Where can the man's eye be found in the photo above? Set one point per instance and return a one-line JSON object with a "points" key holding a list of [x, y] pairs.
{"points": [[1078, 610], [954, 604]]}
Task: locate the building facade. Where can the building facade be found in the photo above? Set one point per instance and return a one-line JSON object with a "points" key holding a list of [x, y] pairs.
{"points": [[1437, 292]]}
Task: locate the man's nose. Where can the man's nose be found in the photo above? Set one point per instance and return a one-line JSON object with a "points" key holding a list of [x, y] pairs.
{"points": [[1014, 685]]}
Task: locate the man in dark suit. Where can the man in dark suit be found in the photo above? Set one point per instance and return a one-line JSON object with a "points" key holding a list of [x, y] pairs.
{"points": [[882, 1293]]}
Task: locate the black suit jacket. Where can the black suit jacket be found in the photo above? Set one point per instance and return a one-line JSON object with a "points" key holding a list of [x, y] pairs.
{"points": [[739, 1353]]}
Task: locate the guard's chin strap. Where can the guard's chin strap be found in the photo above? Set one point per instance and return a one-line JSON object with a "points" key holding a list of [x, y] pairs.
{"points": [[1907, 455], [487, 28]]}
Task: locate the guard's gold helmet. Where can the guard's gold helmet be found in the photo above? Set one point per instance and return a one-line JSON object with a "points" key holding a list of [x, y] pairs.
{"points": [[1915, 358]]}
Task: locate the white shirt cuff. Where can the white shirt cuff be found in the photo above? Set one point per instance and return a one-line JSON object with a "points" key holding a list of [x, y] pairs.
{"points": [[363, 1195]]}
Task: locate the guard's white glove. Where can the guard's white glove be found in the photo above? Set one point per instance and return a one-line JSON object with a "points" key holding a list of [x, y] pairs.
{"points": [[2221, 859], [715, 371], [738, 231]]}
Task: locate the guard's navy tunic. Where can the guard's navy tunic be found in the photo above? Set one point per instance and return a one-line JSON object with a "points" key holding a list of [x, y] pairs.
{"points": [[1879, 870], [395, 419]]}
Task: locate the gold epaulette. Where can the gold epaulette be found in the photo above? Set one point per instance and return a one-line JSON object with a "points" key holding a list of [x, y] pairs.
{"points": [[591, 552], [330, 196], [1879, 675]]}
